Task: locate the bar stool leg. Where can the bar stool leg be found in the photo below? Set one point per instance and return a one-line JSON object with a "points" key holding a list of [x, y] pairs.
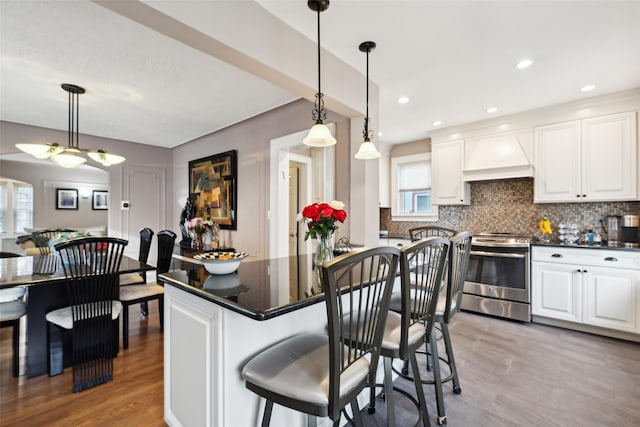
{"points": [[426, 422], [388, 393], [452, 361], [437, 380]]}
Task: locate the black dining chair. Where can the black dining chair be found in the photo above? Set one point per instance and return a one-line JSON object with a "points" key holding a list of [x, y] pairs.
{"points": [[41, 238], [146, 235], [422, 266], [319, 373], [12, 307], [91, 266], [143, 293]]}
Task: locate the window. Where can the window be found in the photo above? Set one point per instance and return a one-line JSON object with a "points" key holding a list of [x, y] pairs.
{"points": [[16, 210], [411, 188]]}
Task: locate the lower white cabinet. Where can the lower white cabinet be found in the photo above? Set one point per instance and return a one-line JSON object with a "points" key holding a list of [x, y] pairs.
{"points": [[594, 287]]}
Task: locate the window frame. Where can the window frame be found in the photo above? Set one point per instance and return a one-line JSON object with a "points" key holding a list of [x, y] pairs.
{"points": [[396, 215]]}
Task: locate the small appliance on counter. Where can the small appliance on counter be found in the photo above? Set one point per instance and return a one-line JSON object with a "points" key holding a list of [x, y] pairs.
{"points": [[614, 222], [629, 231]]}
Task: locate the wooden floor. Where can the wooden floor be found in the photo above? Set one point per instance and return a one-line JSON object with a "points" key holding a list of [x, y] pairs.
{"points": [[511, 374]]}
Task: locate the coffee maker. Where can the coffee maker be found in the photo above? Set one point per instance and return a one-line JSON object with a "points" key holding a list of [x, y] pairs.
{"points": [[629, 231]]}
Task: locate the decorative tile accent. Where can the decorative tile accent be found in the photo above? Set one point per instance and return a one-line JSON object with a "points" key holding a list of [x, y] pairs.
{"points": [[507, 206]]}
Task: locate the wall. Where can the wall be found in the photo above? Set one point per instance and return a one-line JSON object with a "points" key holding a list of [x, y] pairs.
{"points": [[507, 206], [140, 157], [45, 178], [251, 138]]}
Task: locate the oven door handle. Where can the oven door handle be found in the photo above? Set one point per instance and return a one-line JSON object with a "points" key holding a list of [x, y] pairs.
{"points": [[497, 254]]}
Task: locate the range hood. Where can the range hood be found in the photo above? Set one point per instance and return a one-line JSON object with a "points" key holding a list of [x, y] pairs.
{"points": [[503, 156]]}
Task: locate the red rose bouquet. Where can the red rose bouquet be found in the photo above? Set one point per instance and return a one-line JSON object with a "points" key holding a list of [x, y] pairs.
{"points": [[322, 218]]}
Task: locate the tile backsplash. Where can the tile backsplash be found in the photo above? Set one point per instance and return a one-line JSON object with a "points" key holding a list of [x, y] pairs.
{"points": [[507, 206]]}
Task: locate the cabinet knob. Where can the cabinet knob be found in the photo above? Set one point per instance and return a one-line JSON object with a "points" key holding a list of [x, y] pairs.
{"points": [[610, 258], [577, 195], [578, 271], [584, 271], [556, 255], [584, 195]]}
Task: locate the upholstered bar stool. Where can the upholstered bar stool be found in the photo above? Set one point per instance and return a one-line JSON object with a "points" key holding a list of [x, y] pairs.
{"points": [[448, 305], [320, 374], [423, 232], [422, 266]]}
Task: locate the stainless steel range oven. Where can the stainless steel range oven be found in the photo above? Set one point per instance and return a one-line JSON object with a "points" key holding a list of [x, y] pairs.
{"points": [[498, 279]]}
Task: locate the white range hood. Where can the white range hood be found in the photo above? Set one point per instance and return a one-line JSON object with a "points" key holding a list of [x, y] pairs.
{"points": [[502, 156]]}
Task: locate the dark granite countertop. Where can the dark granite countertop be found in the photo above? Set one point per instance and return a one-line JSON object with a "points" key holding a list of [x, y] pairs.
{"points": [[254, 290], [617, 247]]}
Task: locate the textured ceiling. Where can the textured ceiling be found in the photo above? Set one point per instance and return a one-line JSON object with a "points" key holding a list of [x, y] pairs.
{"points": [[453, 59]]}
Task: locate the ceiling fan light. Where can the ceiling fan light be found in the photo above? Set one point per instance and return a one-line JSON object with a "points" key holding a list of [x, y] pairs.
{"points": [[67, 159], [367, 151], [319, 136]]}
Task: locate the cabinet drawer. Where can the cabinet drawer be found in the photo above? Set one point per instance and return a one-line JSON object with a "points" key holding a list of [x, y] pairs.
{"points": [[588, 256]]}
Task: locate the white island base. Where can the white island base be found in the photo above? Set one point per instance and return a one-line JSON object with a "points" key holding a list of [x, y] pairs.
{"points": [[206, 346]]}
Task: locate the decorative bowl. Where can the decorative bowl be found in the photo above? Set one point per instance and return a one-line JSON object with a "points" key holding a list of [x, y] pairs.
{"points": [[221, 262]]}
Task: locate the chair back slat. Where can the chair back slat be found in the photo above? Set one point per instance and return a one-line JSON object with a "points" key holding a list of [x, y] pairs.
{"points": [[459, 253], [357, 289], [41, 238], [422, 267], [166, 242], [419, 233]]}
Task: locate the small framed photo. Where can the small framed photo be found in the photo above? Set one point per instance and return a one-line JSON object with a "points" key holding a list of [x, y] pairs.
{"points": [[100, 200], [66, 198]]}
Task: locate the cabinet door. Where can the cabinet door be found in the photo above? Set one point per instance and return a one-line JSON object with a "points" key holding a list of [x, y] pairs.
{"points": [[611, 298], [557, 163], [609, 158], [447, 185], [556, 291]]}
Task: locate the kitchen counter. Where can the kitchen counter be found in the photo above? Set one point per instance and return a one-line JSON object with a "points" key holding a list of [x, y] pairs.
{"points": [[620, 247]]}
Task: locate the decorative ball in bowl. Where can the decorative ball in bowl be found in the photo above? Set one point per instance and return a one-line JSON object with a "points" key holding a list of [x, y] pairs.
{"points": [[221, 262]]}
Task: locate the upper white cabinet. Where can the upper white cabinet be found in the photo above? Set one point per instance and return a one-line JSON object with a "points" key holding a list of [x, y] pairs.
{"points": [[587, 160], [447, 184], [501, 156]]}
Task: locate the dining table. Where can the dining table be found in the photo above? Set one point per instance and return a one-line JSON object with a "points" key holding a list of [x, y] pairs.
{"points": [[46, 291]]}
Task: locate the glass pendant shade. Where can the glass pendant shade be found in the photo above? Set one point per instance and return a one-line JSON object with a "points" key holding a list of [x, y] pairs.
{"points": [[68, 159], [106, 159], [319, 136], [367, 151], [40, 151]]}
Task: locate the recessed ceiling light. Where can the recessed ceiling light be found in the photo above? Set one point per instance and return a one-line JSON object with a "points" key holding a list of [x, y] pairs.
{"points": [[525, 63], [492, 110], [379, 133], [436, 122], [403, 100], [587, 88]]}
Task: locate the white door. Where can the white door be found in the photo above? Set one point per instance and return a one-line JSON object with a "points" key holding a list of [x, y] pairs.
{"points": [[144, 188], [611, 298], [556, 291]]}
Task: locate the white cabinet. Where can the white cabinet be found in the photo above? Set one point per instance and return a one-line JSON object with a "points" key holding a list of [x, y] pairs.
{"points": [[587, 160], [447, 183], [595, 287]]}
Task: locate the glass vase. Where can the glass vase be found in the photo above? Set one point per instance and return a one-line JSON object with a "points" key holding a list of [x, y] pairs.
{"points": [[324, 253], [198, 242]]}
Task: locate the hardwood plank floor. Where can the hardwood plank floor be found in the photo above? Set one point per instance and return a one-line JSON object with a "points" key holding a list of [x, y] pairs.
{"points": [[511, 374]]}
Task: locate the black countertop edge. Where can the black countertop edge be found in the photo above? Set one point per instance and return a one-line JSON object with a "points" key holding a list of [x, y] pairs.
{"points": [[255, 315], [576, 246]]}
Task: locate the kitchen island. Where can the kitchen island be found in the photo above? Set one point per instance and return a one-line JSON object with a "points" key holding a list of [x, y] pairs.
{"points": [[215, 324]]}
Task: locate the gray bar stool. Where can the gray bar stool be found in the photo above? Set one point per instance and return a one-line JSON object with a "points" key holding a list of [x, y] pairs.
{"points": [[422, 265], [320, 374]]}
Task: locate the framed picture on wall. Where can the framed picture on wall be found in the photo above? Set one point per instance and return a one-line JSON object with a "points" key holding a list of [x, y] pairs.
{"points": [[66, 198], [212, 188], [100, 200]]}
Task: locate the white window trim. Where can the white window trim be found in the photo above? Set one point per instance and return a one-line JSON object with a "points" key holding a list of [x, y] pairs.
{"points": [[395, 203]]}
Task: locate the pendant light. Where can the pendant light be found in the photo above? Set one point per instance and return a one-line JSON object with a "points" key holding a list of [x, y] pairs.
{"points": [[68, 156], [367, 149], [319, 135]]}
